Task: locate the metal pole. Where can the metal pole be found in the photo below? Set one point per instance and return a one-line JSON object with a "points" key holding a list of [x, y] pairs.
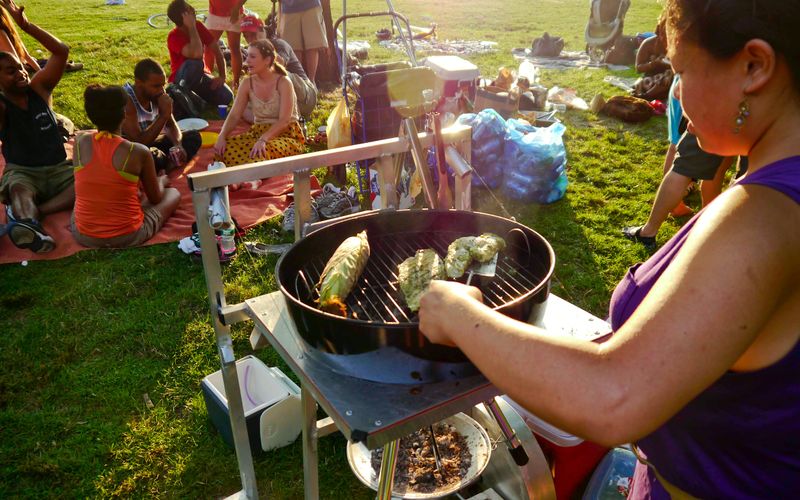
{"points": [[409, 44], [230, 378], [310, 458], [388, 464]]}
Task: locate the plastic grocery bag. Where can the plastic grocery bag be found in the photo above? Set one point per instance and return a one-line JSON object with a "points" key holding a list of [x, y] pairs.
{"points": [[488, 136], [338, 126], [536, 163]]}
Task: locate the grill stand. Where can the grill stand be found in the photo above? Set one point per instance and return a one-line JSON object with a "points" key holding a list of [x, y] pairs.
{"points": [[380, 414], [357, 408]]}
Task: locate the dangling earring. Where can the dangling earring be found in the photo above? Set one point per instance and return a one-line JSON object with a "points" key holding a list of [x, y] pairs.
{"points": [[744, 112]]}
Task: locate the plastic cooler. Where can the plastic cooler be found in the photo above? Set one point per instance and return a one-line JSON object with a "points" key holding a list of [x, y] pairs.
{"points": [[271, 402], [451, 73], [572, 460]]}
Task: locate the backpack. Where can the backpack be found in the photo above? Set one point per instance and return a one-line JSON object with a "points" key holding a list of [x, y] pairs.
{"points": [[547, 46], [185, 103]]}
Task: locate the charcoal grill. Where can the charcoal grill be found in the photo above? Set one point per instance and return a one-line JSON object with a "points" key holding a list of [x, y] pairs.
{"points": [[380, 332]]}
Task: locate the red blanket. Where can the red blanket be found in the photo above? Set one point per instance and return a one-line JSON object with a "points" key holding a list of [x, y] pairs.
{"points": [[248, 206]]}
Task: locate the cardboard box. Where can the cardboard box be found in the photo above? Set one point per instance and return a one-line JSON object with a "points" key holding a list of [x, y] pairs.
{"points": [[500, 100]]}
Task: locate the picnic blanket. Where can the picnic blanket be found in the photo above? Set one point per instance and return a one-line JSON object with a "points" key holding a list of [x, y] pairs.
{"points": [[566, 60], [248, 206]]}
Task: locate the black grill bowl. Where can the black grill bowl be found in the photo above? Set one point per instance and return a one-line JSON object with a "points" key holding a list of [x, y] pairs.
{"points": [[519, 290]]}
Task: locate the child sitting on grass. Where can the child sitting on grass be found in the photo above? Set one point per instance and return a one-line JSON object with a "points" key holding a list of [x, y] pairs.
{"points": [[109, 211]]}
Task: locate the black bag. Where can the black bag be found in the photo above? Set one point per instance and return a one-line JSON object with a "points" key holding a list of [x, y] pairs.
{"points": [[547, 46], [185, 103]]}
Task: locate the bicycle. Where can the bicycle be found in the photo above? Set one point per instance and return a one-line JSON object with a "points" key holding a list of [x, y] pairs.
{"points": [[161, 21]]}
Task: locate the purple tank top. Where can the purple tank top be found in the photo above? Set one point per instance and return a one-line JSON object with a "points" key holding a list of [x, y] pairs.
{"points": [[740, 438]]}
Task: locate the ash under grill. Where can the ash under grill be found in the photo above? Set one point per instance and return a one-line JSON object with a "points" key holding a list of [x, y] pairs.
{"points": [[377, 297]]}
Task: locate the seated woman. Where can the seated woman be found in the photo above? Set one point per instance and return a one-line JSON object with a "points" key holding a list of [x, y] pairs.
{"points": [[109, 211], [651, 59], [276, 132]]}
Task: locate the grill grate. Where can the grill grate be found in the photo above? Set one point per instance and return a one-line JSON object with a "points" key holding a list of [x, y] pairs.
{"points": [[377, 296]]}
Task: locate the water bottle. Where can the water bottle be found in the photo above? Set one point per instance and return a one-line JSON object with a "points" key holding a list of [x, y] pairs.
{"points": [[227, 244], [529, 70]]}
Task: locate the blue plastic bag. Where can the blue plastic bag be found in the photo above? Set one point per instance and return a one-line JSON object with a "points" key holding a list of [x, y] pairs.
{"points": [[535, 160], [488, 143]]}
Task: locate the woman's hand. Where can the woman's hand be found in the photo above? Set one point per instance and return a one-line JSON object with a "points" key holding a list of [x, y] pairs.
{"points": [[16, 12], [259, 149], [219, 147], [439, 303]]}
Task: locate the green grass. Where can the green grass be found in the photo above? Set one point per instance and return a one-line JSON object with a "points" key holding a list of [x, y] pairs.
{"points": [[86, 337]]}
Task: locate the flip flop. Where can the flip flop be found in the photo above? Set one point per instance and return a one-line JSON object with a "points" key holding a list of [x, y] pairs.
{"points": [[634, 233], [29, 235], [258, 248]]}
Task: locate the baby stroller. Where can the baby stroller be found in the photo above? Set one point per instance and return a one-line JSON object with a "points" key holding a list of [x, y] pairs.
{"points": [[606, 18]]}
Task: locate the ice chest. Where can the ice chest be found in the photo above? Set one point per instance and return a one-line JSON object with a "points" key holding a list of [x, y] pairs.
{"points": [[271, 402], [451, 72]]}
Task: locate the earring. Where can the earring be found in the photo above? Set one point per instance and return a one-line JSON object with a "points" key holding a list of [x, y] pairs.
{"points": [[744, 112]]}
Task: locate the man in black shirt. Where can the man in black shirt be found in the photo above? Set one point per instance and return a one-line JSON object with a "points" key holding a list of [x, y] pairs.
{"points": [[37, 179]]}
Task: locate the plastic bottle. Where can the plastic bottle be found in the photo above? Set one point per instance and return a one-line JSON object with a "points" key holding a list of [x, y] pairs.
{"points": [[226, 241], [529, 70]]}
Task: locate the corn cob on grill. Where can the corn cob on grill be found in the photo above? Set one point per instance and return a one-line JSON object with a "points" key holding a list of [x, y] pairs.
{"points": [[341, 273]]}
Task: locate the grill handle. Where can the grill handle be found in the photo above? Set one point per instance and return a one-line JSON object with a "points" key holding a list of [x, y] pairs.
{"points": [[519, 231]]}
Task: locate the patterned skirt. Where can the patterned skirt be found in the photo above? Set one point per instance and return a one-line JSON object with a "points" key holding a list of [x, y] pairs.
{"points": [[238, 147]]}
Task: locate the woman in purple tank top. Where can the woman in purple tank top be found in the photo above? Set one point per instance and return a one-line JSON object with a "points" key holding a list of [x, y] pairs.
{"points": [[703, 370]]}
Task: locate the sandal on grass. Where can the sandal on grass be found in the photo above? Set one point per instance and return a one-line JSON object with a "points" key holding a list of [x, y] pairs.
{"points": [[29, 235], [634, 233], [258, 248]]}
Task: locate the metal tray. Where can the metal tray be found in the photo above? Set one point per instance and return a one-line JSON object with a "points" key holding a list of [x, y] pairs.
{"points": [[359, 458]]}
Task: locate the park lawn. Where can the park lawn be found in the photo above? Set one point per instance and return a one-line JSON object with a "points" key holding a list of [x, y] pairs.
{"points": [[87, 337]]}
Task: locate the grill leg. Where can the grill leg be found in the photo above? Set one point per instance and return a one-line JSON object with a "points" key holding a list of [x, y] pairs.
{"points": [[388, 464], [310, 458]]}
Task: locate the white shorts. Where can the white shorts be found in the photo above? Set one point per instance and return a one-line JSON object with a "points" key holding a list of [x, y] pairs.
{"points": [[221, 23]]}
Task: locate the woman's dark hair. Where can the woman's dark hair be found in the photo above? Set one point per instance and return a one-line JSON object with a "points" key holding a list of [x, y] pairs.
{"points": [[268, 50], [105, 106], [175, 11], [723, 27]]}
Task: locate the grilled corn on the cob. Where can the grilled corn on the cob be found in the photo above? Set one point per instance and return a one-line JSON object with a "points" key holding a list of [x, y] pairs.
{"points": [[341, 273]]}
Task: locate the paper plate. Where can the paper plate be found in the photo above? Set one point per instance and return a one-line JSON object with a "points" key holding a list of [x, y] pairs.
{"points": [[209, 139], [188, 124]]}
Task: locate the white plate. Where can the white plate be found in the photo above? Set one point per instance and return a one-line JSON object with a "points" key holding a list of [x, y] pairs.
{"points": [[188, 124]]}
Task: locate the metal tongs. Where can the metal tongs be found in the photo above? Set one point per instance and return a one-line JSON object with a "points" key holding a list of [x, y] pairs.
{"points": [[435, 450]]}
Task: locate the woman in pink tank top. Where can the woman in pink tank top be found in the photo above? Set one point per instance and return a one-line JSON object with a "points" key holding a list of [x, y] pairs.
{"points": [[109, 172], [703, 370]]}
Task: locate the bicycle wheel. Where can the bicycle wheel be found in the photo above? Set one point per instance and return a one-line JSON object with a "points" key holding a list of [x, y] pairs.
{"points": [[161, 21]]}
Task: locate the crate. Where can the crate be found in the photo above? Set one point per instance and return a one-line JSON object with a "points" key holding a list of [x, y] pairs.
{"points": [[271, 402]]}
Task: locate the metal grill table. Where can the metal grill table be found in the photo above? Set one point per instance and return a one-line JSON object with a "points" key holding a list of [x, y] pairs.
{"points": [[377, 413]]}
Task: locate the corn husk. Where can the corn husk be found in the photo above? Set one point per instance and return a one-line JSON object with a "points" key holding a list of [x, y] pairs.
{"points": [[341, 273]]}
